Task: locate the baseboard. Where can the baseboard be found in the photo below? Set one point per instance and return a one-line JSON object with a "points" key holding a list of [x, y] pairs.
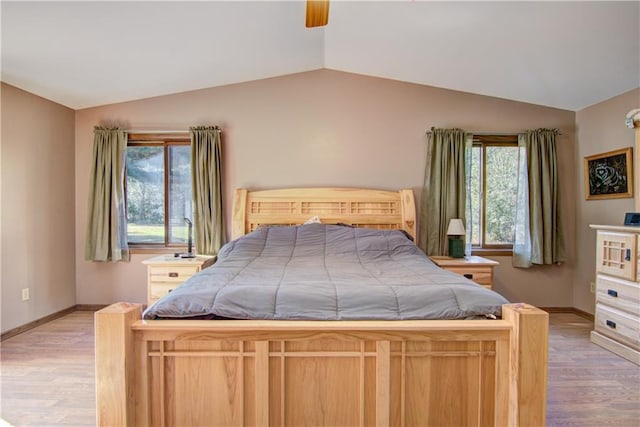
{"points": [[46, 319], [90, 307], [571, 310], [20, 329], [583, 314]]}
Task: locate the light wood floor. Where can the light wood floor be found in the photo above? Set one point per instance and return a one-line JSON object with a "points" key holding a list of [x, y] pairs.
{"points": [[47, 377], [588, 385], [47, 374]]}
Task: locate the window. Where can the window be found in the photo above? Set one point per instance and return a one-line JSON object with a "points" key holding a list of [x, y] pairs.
{"points": [[158, 189], [492, 191]]}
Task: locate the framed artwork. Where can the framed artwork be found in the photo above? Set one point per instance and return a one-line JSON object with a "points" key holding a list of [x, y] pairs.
{"points": [[609, 175]]}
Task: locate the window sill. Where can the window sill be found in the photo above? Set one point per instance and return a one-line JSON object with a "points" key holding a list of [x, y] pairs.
{"points": [[492, 252], [141, 249]]}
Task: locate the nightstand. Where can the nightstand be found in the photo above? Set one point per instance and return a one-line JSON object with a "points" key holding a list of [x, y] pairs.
{"points": [[166, 272], [476, 268]]}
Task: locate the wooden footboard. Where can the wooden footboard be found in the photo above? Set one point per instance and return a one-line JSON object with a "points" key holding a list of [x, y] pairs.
{"points": [[295, 373]]}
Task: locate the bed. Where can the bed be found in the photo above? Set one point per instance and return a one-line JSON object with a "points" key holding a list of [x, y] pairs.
{"points": [[321, 372]]}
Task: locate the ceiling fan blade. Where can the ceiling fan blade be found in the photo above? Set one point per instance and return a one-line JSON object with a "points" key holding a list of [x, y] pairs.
{"points": [[317, 13]]}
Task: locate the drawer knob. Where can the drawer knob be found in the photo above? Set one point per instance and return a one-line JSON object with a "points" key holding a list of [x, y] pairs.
{"points": [[611, 324], [468, 275], [628, 257], [173, 274], [612, 293]]}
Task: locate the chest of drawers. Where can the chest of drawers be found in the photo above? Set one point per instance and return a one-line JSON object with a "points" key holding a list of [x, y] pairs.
{"points": [[617, 317]]}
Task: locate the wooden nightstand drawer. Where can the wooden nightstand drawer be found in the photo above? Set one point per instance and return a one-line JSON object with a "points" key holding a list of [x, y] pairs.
{"points": [[475, 268], [482, 276], [158, 290], [170, 273]]}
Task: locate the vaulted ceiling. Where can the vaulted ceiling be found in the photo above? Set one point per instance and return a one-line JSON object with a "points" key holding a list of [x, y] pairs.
{"points": [[567, 55]]}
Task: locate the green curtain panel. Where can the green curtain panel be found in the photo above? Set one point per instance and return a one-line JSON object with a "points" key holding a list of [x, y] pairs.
{"points": [[107, 224], [539, 237], [444, 191], [206, 160], [469, 206]]}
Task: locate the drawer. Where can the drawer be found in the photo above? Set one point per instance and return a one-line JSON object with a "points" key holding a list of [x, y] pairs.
{"points": [[618, 325], [482, 276], [171, 273], [616, 254], [158, 290], [619, 294]]}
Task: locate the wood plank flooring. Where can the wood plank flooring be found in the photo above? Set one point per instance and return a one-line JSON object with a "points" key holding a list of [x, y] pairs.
{"points": [[47, 374], [588, 385], [47, 377]]}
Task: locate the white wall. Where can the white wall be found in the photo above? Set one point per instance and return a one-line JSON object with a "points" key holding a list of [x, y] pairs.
{"points": [[38, 207]]}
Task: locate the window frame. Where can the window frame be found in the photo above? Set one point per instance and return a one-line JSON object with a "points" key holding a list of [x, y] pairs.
{"points": [[164, 140], [483, 141]]}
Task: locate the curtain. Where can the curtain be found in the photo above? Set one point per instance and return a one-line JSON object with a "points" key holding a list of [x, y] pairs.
{"points": [[444, 191], [470, 208], [106, 238], [538, 236], [208, 225]]}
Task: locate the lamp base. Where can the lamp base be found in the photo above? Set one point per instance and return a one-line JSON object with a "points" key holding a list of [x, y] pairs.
{"points": [[456, 248]]}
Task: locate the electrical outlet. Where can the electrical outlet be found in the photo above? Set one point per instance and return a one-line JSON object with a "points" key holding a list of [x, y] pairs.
{"points": [[593, 287], [25, 294]]}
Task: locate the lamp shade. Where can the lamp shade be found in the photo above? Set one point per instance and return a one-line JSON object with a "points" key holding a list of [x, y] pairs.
{"points": [[456, 228]]}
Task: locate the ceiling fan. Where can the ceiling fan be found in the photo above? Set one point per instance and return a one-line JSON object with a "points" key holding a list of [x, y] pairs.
{"points": [[317, 13]]}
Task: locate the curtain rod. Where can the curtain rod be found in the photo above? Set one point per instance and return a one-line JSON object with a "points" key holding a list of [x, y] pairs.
{"points": [[156, 131], [485, 133], [160, 131], [491, 133]]}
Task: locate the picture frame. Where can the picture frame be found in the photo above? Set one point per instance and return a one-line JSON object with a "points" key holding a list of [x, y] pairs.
{"points": [[609, 175]]}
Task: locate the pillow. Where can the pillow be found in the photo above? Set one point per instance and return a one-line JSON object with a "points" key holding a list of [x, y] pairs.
{"points": [[342, 224], [313, 220]]}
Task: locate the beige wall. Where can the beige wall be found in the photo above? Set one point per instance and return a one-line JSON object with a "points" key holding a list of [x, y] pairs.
{"points": [[599, 128], [324, 128], [317, 128], [38, 214]]}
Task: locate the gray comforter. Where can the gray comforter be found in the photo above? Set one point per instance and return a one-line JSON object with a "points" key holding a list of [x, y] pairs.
{"points": [[325, 272]]}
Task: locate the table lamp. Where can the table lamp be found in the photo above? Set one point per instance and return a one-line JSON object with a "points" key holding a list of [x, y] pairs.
{"points": [[189, 253], [456, 243]]}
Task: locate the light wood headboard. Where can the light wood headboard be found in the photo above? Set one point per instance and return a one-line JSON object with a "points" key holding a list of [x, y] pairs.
{"points": [[393, 210]]}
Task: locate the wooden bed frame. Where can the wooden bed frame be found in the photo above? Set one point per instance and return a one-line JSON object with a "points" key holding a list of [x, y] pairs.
{"points": [[321, 373]]}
